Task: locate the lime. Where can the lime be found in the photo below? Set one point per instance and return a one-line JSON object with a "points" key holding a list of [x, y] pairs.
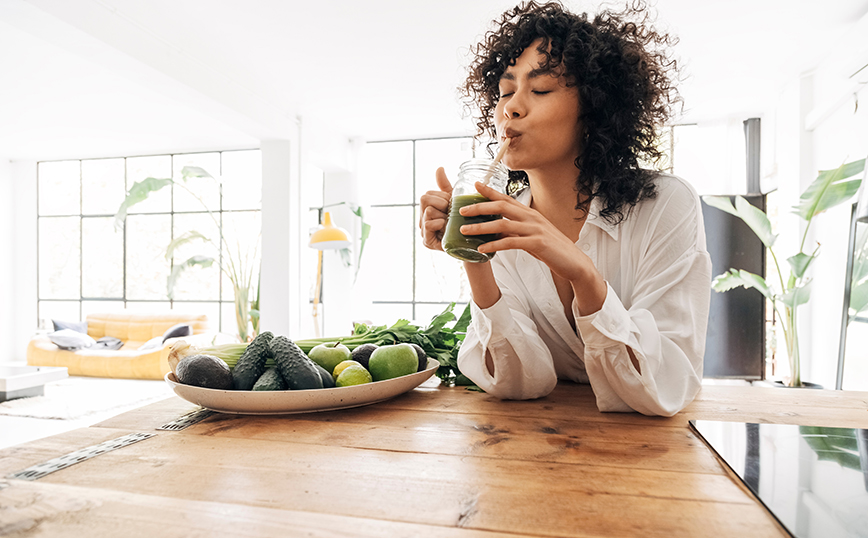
{"points": [[341, 365], [354, 374]]}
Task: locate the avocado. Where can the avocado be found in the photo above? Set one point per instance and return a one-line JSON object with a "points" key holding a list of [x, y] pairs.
{"points": [[328, 381], [297, 369], [251, 365], [270, 380], [362, 354], [205, 371], [423, 358]]}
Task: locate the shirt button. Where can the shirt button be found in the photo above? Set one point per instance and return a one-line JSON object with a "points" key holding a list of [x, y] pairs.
{"points": [[586, 247], [612, 327]]}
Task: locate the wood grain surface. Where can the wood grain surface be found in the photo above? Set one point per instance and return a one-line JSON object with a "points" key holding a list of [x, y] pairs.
{"points": [[433, 462]]}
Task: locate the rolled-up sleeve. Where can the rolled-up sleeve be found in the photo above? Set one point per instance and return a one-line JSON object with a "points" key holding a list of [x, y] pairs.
{"points": [[666, 332], [523, 367]]}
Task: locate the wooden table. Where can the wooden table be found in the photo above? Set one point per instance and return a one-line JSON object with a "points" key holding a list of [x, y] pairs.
{"points": [[433, 462]]}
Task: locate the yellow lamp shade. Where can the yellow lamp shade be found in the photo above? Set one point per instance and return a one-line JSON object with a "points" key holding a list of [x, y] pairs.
{"points": [[329, 236]]}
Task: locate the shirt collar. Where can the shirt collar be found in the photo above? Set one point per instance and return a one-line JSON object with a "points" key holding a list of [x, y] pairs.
{"points": [[594, 218]]}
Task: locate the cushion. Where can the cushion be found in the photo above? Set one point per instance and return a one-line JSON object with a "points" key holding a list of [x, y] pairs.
{"points": [[71, 340], [181, 329], [78, 326], [154, 343], [108, 342]]}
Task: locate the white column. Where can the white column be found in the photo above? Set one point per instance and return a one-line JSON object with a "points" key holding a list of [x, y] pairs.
{"points": [[20, 267], [7, 258], [280, 294]]}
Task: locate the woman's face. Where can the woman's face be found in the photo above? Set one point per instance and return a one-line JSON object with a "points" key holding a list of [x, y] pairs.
{"points": [[539, 113]]}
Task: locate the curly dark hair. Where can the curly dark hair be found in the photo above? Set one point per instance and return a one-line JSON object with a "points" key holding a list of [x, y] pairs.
{"points": [[626, 82]]}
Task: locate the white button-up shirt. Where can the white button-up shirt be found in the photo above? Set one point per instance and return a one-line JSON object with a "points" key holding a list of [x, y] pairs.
{"points": [[658, 275]]}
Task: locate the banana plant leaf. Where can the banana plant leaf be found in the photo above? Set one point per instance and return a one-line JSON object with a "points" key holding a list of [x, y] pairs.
{"points": [[751, 215], [177, 269], [183, 239], [800, 263], [859, 277], [797, 296], [831, 188], [739, 277], [139, 192], [833, 444], [194, 171]]}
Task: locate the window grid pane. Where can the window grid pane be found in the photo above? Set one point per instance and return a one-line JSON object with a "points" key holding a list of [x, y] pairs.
{"points": [[59, 188], [86, 266]]}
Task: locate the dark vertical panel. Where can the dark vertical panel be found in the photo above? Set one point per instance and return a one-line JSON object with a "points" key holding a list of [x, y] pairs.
{"points": [[735, 341]]}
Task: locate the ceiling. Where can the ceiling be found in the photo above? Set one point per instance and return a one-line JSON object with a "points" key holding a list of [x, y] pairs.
{"points": [[87, 78]]}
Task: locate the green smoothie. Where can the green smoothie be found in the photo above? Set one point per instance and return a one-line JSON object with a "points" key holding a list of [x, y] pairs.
{"points": [[463, 246]]}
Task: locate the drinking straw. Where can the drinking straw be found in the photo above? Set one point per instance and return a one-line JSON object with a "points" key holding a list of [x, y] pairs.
{"points": [[497, 159]]}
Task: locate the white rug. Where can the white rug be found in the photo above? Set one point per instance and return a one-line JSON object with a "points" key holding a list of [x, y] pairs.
{"points": [[79, 397]]}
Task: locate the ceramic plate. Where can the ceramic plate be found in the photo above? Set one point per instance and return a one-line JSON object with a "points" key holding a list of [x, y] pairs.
{"points": [[299, 401]]}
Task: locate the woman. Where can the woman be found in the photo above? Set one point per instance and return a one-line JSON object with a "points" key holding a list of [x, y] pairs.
{"points": [[601, 273]]}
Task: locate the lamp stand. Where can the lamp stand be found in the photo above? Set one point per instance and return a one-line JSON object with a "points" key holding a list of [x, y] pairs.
{"points": [[316, 292]]}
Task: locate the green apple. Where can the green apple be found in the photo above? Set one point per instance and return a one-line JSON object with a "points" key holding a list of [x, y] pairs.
{"points": [[329, 355], [388, 362]]}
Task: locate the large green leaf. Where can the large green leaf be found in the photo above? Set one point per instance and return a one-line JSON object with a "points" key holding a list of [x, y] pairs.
{"points": [[365, 233], [202, 261], [797, 296], [800, 263], [194, 171], [138, 193], [183, 239], [757, 220], [858, 298], [738, 277], [829, 189], [751, 215], [721, 202], [833, 444]]}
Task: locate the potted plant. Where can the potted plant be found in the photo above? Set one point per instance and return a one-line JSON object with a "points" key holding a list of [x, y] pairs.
{"points": [[239, 267], [829, 189]]}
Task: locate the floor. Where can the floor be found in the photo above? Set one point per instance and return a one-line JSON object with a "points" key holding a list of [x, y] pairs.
{"points": [[15, 430]]}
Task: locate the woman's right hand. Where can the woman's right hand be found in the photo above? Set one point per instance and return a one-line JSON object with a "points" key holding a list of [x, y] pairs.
{"points": [[433, 212]]}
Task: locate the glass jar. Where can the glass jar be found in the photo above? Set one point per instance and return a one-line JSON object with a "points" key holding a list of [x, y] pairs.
{"points": [[464, 193]]}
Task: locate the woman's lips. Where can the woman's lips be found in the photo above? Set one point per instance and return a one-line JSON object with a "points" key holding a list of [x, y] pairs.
{"points": [[511, 133]]}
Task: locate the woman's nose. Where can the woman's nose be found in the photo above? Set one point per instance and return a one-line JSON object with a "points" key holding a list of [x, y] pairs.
{"points": [[514, 108]]}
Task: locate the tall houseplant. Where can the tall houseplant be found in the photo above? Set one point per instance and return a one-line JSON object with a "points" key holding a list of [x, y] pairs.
{"points": [[829, 189], [241, 268]]}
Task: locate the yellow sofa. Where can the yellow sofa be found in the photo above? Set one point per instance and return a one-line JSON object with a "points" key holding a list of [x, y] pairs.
{"points": [[128, 361]]}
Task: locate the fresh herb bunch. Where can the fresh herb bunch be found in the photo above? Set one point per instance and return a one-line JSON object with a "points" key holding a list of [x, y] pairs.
{"points": [[439, 341]]}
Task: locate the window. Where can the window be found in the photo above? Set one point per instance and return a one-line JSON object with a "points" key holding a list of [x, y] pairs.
{"points": [[85, 265], [408, 280]]}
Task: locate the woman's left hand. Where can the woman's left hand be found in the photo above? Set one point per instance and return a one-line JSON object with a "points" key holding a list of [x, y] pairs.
{"points": [[524, 228]]}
